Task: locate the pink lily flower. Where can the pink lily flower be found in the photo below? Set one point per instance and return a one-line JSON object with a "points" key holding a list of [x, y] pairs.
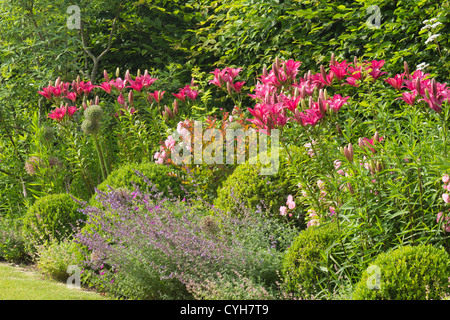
{"points": [[396, 82], [58, 114], [157, 95], [71, 96], [118, 83], [339, 69], [408, 97]]}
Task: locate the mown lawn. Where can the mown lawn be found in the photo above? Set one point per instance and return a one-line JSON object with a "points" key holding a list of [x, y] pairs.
{"points": [[21, 284]]}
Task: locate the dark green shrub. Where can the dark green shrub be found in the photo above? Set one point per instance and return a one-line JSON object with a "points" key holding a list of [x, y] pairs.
{"points": [[160, 175], [12, 243], [406, 273], [51, 217], [306, 262], [247, 187]]}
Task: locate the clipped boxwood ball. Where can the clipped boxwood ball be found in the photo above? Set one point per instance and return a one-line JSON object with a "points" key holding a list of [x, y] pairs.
{"points": [[51, 217], [159, 175], [301, 269], [247, 187], [406, 273]]}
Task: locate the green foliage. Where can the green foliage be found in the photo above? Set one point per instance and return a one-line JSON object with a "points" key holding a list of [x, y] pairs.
{"points": [[309, 260], [51, 217], [54, 258], [406, 273], [246, 187], [12, 243], [249, 33], [125, 177]]}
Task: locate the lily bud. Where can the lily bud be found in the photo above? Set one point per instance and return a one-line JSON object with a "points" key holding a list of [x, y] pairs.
{"points": [[138, 74], [219, 78], [355, 61], [58, 81], [296, 92], [348, 153], [418, 85], [74, 86], [127, 75], [175, 107], [131, 97], [105, 75], [321, 95], [117, 72], [323, 73], [372, 167], [303, 104], [303, 93], [405, 65], [277, 63], [341, 150], [379, 166], [168, 113], [361, 143], [376, 137], [84, 105], [229, 88], [321, 105], [350, 188], [427, 93], [78, 79], [146, 73], [434, 87], [339, 130], [333, 61], [325, 94], [264, 73], [311, 102], [97, 100], [276, 70]]}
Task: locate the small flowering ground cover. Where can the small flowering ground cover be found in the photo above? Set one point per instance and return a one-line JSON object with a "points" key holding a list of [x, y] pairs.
{"points": [[21, 284]]}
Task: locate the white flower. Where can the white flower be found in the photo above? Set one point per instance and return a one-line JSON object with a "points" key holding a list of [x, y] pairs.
{"points": [[431, 38], [435, 25], [422, 66]]}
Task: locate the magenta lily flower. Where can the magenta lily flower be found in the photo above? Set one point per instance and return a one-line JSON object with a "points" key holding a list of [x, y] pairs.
{"points": [[237, 86], [86, 88], [339, 69], [408, 97], [71, 111], [180, 95], [396, 82], [118, 83], [46, 92], [106, 86], [157, 95], [58, 114], [71, 96], [121, 99]]}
